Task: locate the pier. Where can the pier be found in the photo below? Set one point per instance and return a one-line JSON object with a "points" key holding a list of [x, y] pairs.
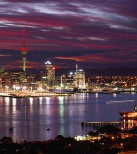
{"points": [[121, 125]]}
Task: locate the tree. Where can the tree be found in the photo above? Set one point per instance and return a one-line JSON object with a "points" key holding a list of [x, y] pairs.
{"points": [[6, 140], [59, 138], [109, 129], [91, 133]]}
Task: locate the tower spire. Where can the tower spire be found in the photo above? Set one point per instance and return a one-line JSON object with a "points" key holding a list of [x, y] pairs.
{"points": [[76, 67]]}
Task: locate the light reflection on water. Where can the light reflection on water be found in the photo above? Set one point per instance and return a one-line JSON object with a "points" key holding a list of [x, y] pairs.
{"points": [[30, 117], [61, 114]]}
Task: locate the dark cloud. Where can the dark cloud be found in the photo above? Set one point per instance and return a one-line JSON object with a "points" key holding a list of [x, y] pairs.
{"points": [[67, 32]]}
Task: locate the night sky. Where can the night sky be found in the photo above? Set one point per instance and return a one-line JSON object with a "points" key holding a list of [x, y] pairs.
{"points": [[90, 33]]}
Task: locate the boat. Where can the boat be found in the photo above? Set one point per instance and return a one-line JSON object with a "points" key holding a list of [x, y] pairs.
{"points": [[129, 115], [10, 129]]}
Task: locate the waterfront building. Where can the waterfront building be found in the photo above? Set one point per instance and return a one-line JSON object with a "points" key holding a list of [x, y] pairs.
{"points": [[15, 79]]}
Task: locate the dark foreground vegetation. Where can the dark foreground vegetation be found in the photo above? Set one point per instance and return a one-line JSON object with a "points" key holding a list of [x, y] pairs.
{"points": [[111, 143], [58, 146]]}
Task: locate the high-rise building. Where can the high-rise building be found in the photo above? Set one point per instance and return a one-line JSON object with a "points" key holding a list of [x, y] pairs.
{"points": [[50, 74], [24, 52], [1, 76], [80, 78]]}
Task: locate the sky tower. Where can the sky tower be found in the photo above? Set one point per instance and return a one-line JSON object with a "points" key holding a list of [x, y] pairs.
{"points": [[24, 51]]}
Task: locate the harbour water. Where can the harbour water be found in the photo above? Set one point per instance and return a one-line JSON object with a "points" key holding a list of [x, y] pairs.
{"points": [[43, 118]]}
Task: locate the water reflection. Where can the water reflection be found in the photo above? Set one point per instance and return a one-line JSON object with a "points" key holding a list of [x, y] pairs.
{"points": [[30, 117], [114, 94], [40, 100], [7, 100], [14, 101], [61, 114], [31, 100], [96, 95], [47, 100]]}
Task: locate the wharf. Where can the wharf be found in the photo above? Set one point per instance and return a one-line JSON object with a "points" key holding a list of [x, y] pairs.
{"points": [[122, 125]]}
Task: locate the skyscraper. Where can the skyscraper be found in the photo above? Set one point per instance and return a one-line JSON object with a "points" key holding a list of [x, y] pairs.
{"points": [[50, 73], [80, 78]]}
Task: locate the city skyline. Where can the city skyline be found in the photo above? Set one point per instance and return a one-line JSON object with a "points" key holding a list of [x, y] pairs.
{"points": [[95, 34]]}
